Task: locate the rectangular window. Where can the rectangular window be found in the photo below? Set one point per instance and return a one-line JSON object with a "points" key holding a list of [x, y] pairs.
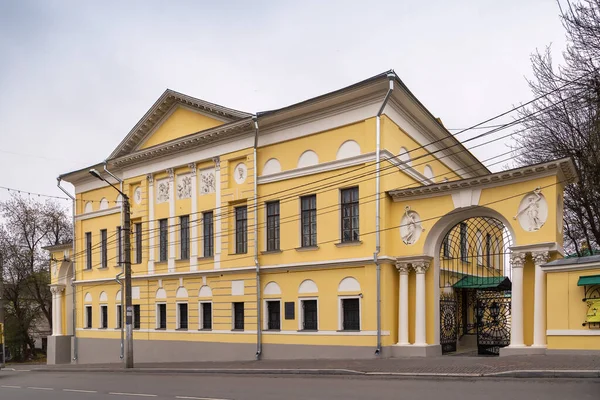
{"points": [[273, 315], [103, 250], [309, 315], [119, 317], [308, 211], [119, 245], [350, 232], [161, 316], [208, 234], [351, 314], [182, 316], [138, 243], [184, 237], [103, 316], [238, 316], [488, 250], [273, 226], [446, 246], [88, 250], [163, 239], [206, 316], [136, 316], [88, 317], [241, 230], [463, 242]]}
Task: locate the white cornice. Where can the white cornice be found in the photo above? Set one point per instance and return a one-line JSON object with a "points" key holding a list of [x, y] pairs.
{"points": [[98, 213], [572, 332], [539, 247], [571, 267]]}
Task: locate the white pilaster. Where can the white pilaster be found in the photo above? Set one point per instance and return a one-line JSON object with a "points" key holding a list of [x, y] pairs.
{"points": [[403, 304], [151, 232], [517, 261], [217, 226], [57, 291], [194, 219], [539, 305], [172, 227], [420, 309]]}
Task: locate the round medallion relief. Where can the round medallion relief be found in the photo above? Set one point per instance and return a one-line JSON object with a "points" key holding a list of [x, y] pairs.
{"points": [[240, 173]]}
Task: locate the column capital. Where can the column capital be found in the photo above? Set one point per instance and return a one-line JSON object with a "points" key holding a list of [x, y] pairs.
{"points": [[192, 167], [57, 289], [150, 179], [402, 267], [217, 161], [540, 257], [420, 267], [171, 174], [517, 260]]}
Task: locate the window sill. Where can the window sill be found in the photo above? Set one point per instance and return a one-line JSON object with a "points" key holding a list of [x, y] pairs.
{"points": [[102, 329], [271, 251], [348, 330], [88, 327], [237, 330], [206, 258], [205, 330], [182, 329], [347, 244], [87, 269], [272, 330], [119, 266], [308, 330], [102, 268], [161, 262], [160, 329], [307, 248], [237, 254], [182, 259]]}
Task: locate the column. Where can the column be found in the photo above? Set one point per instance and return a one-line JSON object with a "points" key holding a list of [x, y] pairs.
{"points": [[403, 304], [151, 232], [172, 227], [217, 226], [420, 309], [194, 220], [517, 261], [57, 310], [539, 305]]}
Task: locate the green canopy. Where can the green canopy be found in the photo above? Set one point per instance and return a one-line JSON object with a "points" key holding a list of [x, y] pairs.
{"points": [[589, 280], [483, 282]]}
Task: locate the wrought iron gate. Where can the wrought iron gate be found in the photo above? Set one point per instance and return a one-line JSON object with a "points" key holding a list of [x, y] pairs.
{"points": [[448, 325], [493, 321]]}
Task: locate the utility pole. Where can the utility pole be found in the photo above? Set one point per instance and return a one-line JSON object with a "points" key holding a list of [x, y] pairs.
{"points": [[128, 300], [2, 325]]}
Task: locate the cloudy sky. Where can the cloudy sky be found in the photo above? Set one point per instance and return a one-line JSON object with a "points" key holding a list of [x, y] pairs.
{"points": [[75, 76]]}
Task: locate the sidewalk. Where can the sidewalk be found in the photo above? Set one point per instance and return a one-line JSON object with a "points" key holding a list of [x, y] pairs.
{"points": [[446, 366]]}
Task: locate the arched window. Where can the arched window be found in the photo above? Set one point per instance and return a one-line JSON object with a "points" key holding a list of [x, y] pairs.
{"points": [[307, 159], [348, 149]]}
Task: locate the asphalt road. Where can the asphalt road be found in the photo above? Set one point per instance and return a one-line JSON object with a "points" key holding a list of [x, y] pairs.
{"points": [[125, 386]]}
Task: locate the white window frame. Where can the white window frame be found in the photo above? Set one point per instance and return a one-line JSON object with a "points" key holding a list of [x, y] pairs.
{"points": [[301, 313], [117, 326], [233, 315], [157, 315], [102, 321], [341, 312], [266, 314], [201, 315], [88, 323], [178, 317]]}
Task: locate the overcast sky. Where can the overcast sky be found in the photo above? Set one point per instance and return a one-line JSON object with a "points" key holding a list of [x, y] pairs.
{"points": [[75, 76]]}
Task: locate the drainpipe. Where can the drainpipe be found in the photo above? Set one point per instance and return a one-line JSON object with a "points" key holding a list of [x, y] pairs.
{"points": [[120, 282], [74, 291], [391, 76], [258, 307]]}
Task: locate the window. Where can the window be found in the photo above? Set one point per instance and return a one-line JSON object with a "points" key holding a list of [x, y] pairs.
{"points": [[241, 230], [119, 317], [309, 315], [88, 317], [351, 314], [488, 250], [103, 251], [136, 316], [138, 243], [479, 248], [350, 215], [446, 246], [103, 316], [238, 316], [182, 315], [88, 250], [273, 315], [273, 226], [308, 207], [206, 315], [184, 237], [161, 316], [463, 242], [207, 219], [119, 245], [163, 239]]}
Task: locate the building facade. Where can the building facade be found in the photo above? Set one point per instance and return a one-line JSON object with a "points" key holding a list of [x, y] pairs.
{"points": [[349, 225]]}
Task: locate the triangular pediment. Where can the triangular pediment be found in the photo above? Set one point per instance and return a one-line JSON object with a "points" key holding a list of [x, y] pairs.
{"points": [[174, 115]]}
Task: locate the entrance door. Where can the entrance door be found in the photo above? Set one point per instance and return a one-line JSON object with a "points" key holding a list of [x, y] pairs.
{"points": [[493, 321], [448, 324]]}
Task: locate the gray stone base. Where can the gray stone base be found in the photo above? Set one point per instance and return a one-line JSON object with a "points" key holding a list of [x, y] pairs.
{"points": [[59, 350], [522, 351], [304, 352], [430, 350]]}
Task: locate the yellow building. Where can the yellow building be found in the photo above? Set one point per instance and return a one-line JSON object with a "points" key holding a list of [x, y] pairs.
{"points": [[349, 225]]}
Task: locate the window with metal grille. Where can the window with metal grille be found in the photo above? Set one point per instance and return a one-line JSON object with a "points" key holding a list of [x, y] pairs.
{"points": [[88, 317], [103, 250], [208, 226], [136, 316], [273, 315], [463, 242], [163, 239], [446, 245], [350, 231], [182, 316], [206, 317], [103, 317], [184, 237], [161, 317], [119, 245], [488, 250], [88, 250], [238, 316], [119, 316], [309, 315], [241, 230], [273, 226], [350, 314], [308, 210], [138, 243]]}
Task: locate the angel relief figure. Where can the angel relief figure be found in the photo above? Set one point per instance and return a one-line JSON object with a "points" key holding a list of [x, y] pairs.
{"points": [[412, 224], [163, 192], [184, 188], [532, 211], [207, 182]]}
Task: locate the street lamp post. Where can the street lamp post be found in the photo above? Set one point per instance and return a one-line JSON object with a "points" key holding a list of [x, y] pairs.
{"points": [[127, 271]]}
